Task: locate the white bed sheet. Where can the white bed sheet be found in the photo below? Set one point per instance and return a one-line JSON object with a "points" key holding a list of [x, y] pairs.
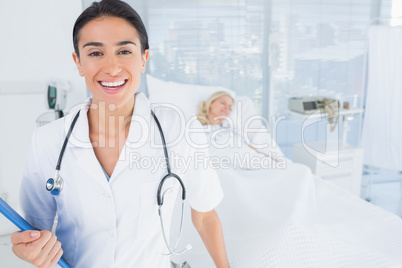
{"points": [[289, 218], [282, 218]]}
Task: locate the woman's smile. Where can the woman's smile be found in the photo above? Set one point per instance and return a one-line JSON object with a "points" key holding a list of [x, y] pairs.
{"points": [[113, 87]]}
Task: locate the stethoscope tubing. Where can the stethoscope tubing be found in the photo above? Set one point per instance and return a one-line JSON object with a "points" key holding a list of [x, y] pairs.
{"points": [[55, 185], [66, 141]]}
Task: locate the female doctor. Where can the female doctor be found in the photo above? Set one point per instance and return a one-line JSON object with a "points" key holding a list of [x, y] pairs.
{"points": [[107, 210]]}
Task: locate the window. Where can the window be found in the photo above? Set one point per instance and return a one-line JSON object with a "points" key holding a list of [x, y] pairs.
{"points": [[317, 48], [216, 43]]}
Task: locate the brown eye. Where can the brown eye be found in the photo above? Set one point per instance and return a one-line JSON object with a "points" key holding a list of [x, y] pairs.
{"points": [[95, 54], [125, 52]]}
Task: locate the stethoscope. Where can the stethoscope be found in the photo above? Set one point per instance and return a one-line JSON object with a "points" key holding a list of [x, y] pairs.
{"points": [[55, 185]]}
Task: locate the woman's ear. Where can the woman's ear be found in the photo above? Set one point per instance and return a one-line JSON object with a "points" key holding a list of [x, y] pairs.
{"points": [[145, 57], [76, 59]]}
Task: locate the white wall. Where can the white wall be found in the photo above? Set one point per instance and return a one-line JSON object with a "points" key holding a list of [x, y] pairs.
{"points": [[36, 47]]}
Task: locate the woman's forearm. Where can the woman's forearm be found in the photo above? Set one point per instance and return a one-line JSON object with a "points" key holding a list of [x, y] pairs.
{"points": [[209, 227]]}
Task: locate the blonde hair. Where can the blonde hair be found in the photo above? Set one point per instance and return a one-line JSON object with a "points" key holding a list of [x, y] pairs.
{"points": [[203, 111]]}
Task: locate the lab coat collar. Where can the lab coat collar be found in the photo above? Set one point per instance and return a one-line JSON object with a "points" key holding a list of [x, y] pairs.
{"points": [[80, 135], [138, 134]]}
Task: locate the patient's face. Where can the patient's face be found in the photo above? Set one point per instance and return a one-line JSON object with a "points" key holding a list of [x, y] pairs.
{"points": [[221, 107]]}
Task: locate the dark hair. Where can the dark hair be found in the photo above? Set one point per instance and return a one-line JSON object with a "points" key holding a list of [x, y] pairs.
{"points": [[110, 8]]}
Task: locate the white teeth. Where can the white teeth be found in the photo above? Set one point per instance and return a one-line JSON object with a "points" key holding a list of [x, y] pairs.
{"points": [[113, 84]]}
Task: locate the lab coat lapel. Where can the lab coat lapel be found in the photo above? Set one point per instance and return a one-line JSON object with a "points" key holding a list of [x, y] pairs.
{"points": [[138, 140], [88, 162], [82, 149]]}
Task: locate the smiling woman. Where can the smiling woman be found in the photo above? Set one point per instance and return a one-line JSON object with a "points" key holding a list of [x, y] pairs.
{"points": [[107, 209]]}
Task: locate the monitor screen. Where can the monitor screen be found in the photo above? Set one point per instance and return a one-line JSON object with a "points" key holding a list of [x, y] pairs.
{"points": [[309, 105], [52, 92]]}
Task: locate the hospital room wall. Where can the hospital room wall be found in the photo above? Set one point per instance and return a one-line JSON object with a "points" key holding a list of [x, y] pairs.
{"points": [[36, 48]]}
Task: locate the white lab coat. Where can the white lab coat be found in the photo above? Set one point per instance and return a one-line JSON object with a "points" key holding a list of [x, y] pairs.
{"points": [[113, 223]]}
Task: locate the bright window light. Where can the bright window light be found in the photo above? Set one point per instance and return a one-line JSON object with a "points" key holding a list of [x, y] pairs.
{"points": [[396, 12]]}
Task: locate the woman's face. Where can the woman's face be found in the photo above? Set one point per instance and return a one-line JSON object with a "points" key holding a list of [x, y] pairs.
{"points": [[222, 106], [111, 60]]}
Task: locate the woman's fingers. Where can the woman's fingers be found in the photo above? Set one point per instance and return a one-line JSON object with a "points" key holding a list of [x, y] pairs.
{"points": [[27, 245], [38, 250], [43, 259], [41, 252], [49, 256], [24, 237], [56, 258]]}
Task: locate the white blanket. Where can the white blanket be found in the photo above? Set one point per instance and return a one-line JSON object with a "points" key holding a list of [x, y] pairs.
{"points": [[289, 218]]}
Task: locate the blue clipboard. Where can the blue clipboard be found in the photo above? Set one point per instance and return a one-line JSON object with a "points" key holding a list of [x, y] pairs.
{"points": [[21, 223]]}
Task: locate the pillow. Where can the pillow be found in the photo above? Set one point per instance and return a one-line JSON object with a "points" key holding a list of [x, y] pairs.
{"points": [[187, 97]]}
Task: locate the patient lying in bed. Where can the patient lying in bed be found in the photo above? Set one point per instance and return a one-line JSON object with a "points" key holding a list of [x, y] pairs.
{"points": [[257, 151], [284, 216]]}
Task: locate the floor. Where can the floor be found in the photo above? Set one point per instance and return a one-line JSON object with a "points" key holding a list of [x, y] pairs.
{"points": [[385, 193], [385, 190]]}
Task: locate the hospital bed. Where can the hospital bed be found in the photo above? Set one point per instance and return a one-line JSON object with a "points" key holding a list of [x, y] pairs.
{"points": [[286, 217]]}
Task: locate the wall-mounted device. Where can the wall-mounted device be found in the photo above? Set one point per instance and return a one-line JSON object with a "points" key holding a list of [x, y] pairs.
{"points": [[56, 96], [310, 105], [56, 99]]}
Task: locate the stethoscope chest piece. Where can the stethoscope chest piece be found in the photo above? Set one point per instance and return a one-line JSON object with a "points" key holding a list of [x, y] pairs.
{"points": [[55, 185]]}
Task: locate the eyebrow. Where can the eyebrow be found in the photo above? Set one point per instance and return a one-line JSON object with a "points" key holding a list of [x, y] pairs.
{"points": [[99, 44]]}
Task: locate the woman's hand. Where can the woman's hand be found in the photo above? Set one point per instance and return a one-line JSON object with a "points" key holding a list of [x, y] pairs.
{"points": [[255, 149], [39, 248]]}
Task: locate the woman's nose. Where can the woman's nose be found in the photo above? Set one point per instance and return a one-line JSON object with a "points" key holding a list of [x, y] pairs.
{"points": [[112, 66]]}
